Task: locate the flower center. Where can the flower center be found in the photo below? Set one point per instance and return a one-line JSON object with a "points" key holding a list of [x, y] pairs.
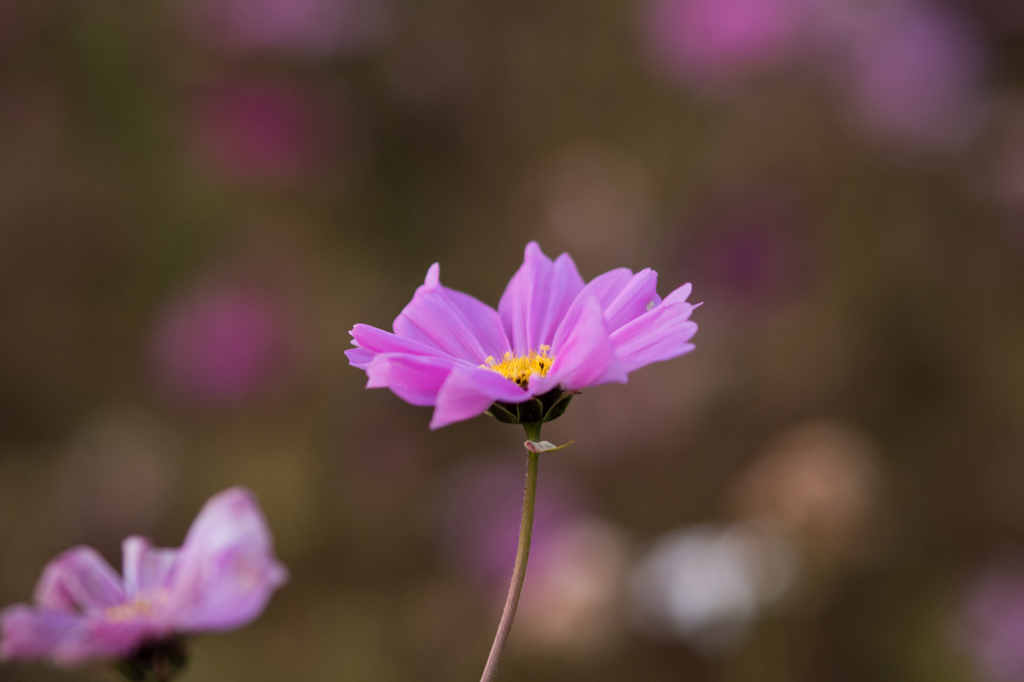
{"points": [[519, 368], [140, 606]]}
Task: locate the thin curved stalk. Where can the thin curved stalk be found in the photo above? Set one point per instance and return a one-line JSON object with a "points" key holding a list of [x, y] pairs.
{"points": [[522, 556]]}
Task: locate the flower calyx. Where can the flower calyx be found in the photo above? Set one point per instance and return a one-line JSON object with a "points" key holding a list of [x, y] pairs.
{"points": [[543, 408], [158, 661]]}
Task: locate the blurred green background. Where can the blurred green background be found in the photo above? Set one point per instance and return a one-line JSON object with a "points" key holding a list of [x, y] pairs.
{"points": [[198, 199]]}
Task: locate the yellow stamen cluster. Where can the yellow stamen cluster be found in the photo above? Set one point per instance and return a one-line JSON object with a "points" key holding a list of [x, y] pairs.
{"points": [[519, 368]]}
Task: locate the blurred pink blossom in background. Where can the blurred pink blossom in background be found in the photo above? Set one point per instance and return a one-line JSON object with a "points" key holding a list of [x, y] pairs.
{"points": [[304, 27], [264, 132], [917, 74], [717, 42], [914, 70], [224, 345], [991, 627]]}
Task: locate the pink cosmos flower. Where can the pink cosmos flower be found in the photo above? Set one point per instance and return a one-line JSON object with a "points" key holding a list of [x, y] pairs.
{"points": [[221, 578], [223, 345], [552, 335]]}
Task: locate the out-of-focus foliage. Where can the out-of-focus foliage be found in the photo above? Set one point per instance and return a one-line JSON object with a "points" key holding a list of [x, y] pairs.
{"points": [[199, 198]]}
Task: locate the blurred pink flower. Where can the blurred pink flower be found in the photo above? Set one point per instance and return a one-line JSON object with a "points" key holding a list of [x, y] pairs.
{"points": [[717, 42], [221, 578], [917, 74], [258, 131], [305, 27], [224, 345], [991, 627]]}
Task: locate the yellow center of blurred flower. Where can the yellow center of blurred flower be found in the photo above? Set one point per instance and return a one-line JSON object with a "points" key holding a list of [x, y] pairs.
{"points": [[140, 606], [519, 368]]}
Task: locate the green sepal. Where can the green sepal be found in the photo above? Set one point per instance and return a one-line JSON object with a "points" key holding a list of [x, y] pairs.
{"points": [[502, 414], [544, 408], [559, 407]]}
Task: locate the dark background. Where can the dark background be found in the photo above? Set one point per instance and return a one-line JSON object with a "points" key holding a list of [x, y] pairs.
{"points": [[199, 198]]}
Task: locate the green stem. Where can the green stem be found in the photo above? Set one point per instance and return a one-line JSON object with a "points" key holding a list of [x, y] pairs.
{"points": [[522, 555]]}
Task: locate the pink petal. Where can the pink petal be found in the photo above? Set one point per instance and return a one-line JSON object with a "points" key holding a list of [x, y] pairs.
{"points": [[226, 570], [584, 354], [607, 286], [537, 298], [359, 358], [636, 298], [28, 634], [379, 341], [661, 334], [107, 638], [79, 580], [680, 295], [145, 567], [452, 322], [468, 391], [413, 378], [65, 638]]}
